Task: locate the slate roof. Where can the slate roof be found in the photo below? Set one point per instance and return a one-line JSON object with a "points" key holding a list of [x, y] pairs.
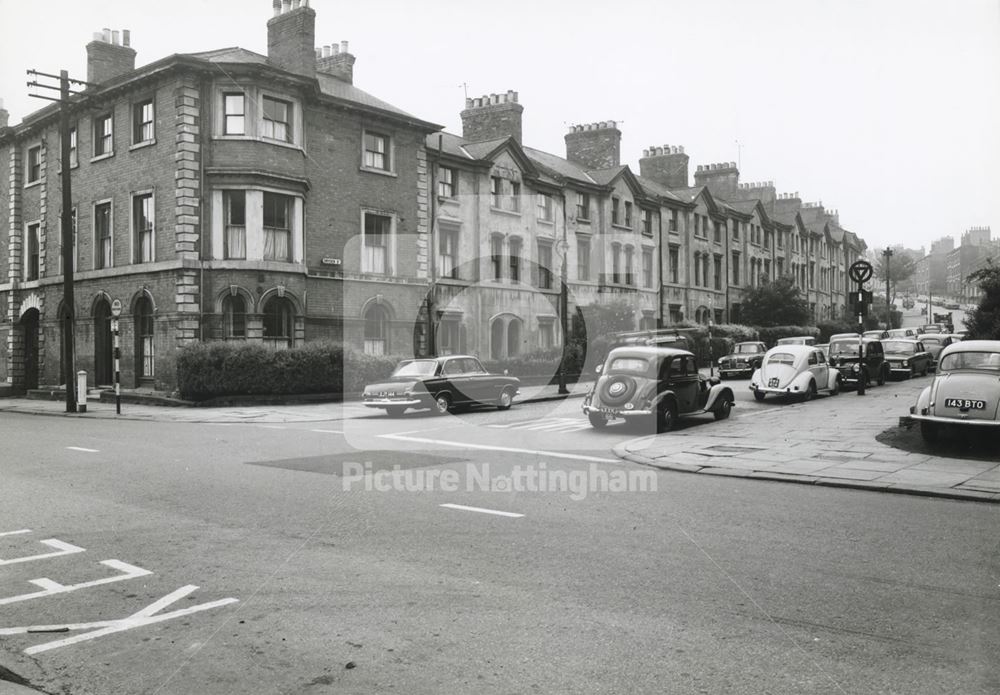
{"points": [[606, 176], [557, 165]]}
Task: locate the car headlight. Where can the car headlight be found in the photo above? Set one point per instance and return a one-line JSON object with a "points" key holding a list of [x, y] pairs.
{"points": [[906, 363], [856, 368]]}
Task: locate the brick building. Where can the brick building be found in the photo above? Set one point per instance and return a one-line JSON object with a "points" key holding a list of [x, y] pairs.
{"points": [[218, 195], [976, 248]]}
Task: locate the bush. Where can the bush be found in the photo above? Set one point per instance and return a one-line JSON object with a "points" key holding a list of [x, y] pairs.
{"points": [[209, 370], [771, 334]]}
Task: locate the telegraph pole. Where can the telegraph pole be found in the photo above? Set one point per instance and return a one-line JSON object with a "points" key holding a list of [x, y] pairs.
{"points": [[887, 254], [68, 318]]}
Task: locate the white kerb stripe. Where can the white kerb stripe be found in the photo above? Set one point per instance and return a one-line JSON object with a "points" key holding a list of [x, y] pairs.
{"points": [[462, 507], [80, 448]]}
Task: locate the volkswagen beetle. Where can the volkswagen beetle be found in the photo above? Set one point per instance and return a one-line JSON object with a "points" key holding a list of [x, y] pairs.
{"points": [[965, 393], [800, 371], [657, 384]]}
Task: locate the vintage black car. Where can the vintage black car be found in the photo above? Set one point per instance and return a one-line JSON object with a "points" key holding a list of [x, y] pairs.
{"points": [[845, 356], [743, 360], [654, 384], [907, 358], [441, 384]]}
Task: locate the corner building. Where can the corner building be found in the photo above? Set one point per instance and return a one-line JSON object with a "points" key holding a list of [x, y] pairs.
{"points": [[224, 195]]}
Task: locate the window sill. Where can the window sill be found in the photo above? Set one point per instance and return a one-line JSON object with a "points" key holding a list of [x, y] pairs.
{"points": [[550, 223], [623, 227], [583, 220], [511, 213], [101, 157], [32, 184], [140, 145], [380, 172]]}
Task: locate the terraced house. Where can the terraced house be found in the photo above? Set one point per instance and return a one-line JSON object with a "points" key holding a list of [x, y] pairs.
{"points": [[224, 195]]}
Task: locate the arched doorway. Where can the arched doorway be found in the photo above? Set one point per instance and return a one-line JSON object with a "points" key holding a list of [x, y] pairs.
{"points": [[29, 329], [279, 322], [103, 344], [145, 355]]}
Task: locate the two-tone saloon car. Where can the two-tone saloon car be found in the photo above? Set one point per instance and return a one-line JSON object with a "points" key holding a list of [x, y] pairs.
{"points": [[441, 384], [906, 357], [965, 394], [800, 371], [744, 358], [655, 384], [934, 343]]}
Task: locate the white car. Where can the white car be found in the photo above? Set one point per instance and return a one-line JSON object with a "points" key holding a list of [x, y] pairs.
{"points": [[801, 371], [965, 393]]}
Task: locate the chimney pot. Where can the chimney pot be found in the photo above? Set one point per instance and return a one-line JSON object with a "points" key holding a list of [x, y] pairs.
{"points": [[659, 151], [126, 38], [106, 35], [276, 7], [286, 6], [114, 37], [344, 47], [681, 148], [97, 36], [645, 153]]}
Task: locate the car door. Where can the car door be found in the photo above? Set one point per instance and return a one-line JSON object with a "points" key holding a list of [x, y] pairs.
{"points": [[482, 386], [456, 380], [820, 369], [684, 383]]}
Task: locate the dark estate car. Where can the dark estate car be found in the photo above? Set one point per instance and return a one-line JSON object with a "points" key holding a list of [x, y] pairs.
{"points": [[441, 383], [906, 357], [657, 384], [743, 360], [844, 355]]}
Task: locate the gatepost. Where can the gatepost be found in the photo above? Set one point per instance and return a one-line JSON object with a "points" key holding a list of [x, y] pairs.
{"points": [[116, 312], [861, 272]]}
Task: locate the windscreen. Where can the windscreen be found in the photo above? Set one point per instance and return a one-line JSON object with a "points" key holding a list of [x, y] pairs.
{"points": [[971, 360], [416, 368]]}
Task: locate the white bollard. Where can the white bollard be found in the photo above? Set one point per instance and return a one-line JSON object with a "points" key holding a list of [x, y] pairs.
{"points": [[81, 391]]}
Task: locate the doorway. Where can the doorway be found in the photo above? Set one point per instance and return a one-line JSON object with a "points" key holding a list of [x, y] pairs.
{"points": [[103, 344], [29, 327]]}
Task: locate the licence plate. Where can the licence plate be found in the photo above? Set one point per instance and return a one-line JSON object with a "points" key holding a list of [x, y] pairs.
{"points": [[773, 382], [964, 404], [610, 411]]}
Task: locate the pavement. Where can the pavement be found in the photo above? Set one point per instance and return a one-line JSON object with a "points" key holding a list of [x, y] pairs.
{"points": [[306, 412], [823, 445]]}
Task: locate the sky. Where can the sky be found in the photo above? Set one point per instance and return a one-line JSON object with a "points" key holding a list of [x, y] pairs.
{"points": [[885, 110]]}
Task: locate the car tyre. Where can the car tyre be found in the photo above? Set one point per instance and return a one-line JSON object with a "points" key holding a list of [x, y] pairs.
{"points": [[723, 409], [930, 432], [836, 387], [597, 420], [395, 410], [666, 417], [810, 392], [506, 399], [881, 377], [758, 395], [442, 404]]}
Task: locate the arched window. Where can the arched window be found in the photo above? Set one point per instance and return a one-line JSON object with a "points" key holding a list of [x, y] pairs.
{"points": [[144, 345], [234, 317], [497, 339], [514, 337], [279, 315], [376, 330]]}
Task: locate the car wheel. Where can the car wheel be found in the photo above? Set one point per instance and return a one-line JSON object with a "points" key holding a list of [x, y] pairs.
{"points": [[505, 400], [836, 387], [442, 404], [597, 420], [881, 377], [810, 392], [758, 395], [929, 431], [666, 418], [723, 409], [923, 372], [395, 411]]}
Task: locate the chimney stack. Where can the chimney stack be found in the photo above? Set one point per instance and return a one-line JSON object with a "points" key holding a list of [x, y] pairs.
{"points": [[291, 37], [337, 61], [594, 145], [666, 165], [492, 116], [4, 115], [721, 178], [108, 59]]}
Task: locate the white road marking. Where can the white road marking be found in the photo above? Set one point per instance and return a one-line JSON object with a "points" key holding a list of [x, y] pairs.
{"points": [[15, 533], [512, 450], [756, 412], [329, 431], [463, 508], [146, 616], [558, 424], [61, 547], [80, 448], [51, 588], [273, 427]]}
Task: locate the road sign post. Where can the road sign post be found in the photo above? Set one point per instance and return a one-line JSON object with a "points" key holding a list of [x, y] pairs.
{"points": [[116, 312], [861, 272]]}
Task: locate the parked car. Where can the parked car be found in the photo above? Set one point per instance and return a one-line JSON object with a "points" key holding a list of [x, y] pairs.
{"points": [[825, 347], [906, 357], [744, 358], [442, 384], [845, 355], [797, 340], [900, 333], [877, 335], [934, 343], [929, 328], [801, 371], [965, 393], [952, 305], [658, 384], [908, 303]]}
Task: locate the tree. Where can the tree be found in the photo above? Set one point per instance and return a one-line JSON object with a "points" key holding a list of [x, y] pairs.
{"points": [[901, 268], [775, 303], [984, 322]]}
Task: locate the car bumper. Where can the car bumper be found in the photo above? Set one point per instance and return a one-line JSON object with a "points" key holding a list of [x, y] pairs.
{"points": [[727, 371], [783, 391], [394, 402], [615, 412], [913, 417], [899, 369]]}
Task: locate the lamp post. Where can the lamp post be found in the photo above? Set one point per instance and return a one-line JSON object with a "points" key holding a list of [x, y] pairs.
{"points": [[887, 254], [563, 248]]}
